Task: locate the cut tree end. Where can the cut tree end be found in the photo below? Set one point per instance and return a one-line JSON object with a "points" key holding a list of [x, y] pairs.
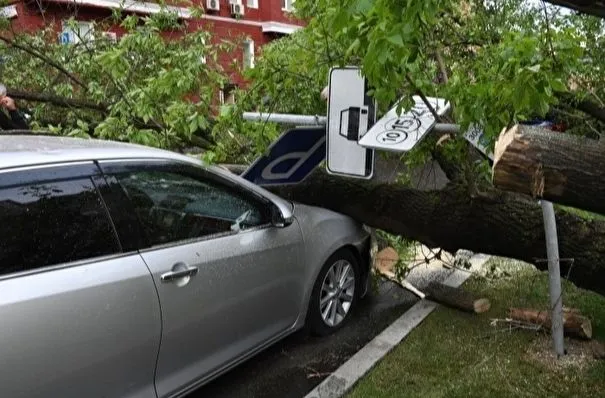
{"points": [[385, 260], [504, 140], [481, 305], [587, 328]]}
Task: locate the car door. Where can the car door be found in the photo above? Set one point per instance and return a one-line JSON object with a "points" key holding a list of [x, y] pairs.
{"points": [[79, 313], [228, 280]]}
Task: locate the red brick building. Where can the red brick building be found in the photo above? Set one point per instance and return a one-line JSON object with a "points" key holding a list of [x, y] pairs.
{"points": [[256, 21]]}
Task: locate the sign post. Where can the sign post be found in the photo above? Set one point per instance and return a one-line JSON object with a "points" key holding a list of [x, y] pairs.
{"points": [[554, 276]]}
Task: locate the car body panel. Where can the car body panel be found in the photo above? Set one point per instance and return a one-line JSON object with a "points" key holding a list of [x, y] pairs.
{"points": [[89, 330], [247, 290], [324, 232], [252, 289]]}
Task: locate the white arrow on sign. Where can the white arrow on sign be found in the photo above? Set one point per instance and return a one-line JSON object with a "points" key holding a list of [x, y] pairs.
{"points": [[402, 133]]}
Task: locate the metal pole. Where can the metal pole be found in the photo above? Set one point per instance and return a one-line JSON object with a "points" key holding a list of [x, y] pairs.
{"points": [[316, 120], [284, 118], [554, 276]]}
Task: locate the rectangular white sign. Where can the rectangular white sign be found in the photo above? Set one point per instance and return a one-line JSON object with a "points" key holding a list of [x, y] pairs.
{"points": [[350, 113], [8, 11], [475, 136], [402, 133]]}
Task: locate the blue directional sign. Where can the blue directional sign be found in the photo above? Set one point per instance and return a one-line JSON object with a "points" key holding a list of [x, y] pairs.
{"points": [[291, 158]]}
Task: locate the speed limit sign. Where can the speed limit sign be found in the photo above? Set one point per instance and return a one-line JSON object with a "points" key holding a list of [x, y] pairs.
{"points": [[401, 133]]}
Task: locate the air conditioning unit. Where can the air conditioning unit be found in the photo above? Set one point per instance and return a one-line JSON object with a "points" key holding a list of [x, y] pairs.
{"points": [[235, 1], [237, 9], [111, 36], [213, 5]]}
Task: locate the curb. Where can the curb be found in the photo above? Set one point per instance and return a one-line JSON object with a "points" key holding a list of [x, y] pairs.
{"points": [[347, 375]]}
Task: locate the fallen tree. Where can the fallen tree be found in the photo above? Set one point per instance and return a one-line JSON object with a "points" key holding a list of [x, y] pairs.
{"points": [[574, 323], [493, 222], [592, 7], [558, 167]]}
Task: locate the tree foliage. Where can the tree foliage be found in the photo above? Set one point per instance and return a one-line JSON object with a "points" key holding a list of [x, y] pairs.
{"points": [[497, 62], [156, 86]]}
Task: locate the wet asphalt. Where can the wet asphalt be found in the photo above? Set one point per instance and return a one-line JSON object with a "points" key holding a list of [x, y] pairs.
{"points": [[294, 366]]}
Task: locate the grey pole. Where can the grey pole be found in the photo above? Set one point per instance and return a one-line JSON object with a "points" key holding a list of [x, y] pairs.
{"points": [[309, 120], [284, 118], [554, 276]]}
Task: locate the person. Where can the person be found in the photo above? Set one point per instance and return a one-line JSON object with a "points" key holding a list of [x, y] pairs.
{"points": [[10, 117]]}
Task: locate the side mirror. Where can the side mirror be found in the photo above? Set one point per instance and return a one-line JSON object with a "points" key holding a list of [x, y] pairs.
{"points": [[279, 219]]}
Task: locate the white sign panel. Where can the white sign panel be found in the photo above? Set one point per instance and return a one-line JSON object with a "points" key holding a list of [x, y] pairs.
{"points": [[350, 113], [475, 136], [8, 11], [402, 133]]}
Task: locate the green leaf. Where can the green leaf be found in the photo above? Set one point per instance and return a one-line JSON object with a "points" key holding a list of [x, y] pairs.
{"points": [[396, 39]]}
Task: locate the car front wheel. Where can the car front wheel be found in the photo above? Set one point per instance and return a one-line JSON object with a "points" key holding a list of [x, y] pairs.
{"points": [[335, 293]]}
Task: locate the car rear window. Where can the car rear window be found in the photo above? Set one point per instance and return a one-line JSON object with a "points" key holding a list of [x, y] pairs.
{"points": [[51, 223]]}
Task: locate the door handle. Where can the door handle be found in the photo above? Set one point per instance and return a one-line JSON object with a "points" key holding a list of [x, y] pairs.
{"points": [[172, 275]]}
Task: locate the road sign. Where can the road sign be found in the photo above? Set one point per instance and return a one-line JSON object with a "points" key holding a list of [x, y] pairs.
{"points": [[477, 138], [350, 113], [291, 158], [402, 133]]}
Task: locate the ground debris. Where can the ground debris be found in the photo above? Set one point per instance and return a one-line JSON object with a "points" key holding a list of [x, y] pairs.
{"points": [[578, 354]]}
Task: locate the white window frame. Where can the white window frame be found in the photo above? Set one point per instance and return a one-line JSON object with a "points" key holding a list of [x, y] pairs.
{"points": [[203, 59], [248, 53], [252, 3], [287, 5], [76, 37]]}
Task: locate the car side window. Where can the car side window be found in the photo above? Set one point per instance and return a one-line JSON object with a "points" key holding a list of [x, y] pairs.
{"points": [[52, 223], [173, 206]]}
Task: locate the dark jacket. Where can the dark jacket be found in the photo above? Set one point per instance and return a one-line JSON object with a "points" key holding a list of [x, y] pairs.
{"points": [[13, 121]]}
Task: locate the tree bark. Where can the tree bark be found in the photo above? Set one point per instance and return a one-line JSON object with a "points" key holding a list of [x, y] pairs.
{"points": [[557, 167], [56, 100], [574, 324], [592, 7], [493, 222], [456, 298]]}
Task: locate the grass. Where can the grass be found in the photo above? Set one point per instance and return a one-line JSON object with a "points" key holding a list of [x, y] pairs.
{"points": [[453, 354]]}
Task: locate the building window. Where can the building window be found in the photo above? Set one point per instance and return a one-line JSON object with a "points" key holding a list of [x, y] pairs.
{"points": [[77, 32], [227, 94], [248, 53], [287, 5], [252, 3]]}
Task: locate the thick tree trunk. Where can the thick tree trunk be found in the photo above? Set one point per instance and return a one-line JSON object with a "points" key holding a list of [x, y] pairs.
{"points": [[558, 167], [498, 223], [456, 298], [574, 324], [592, 7]]}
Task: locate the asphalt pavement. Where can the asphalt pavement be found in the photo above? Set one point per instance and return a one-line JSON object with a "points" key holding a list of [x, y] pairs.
{"points": [[294, 366]]}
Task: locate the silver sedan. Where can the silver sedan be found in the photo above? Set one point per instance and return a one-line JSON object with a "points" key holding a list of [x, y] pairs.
{"points": [[127, 271]]}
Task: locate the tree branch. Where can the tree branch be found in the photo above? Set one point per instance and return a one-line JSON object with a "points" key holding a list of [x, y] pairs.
{"points": [[592, 109], [56, 100], [44, 58]]}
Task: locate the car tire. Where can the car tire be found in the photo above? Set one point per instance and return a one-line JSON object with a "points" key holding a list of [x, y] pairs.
{"points": [[331, 304]]}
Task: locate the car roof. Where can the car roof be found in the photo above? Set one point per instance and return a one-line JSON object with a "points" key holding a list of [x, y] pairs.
{"points": [[30, 150]]}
